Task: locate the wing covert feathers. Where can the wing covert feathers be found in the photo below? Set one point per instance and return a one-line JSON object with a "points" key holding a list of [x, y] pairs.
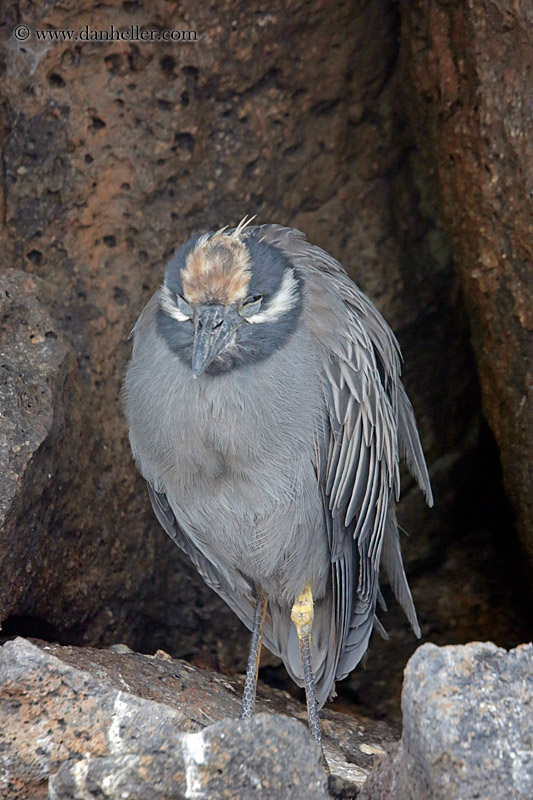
{"points": [[369, 426]]}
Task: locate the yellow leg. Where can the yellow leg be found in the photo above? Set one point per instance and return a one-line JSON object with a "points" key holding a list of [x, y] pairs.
{"points": [[302, 615]]}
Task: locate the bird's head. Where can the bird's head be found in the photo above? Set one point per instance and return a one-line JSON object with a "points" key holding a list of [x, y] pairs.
{"points": [[228, 299]]}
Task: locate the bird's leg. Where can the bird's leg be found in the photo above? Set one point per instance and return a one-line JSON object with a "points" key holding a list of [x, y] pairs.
{"points": [[250, 683], [302, 615]]}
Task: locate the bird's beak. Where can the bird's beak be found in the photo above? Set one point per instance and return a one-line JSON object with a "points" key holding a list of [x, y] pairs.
{"points": [[214, 326]]}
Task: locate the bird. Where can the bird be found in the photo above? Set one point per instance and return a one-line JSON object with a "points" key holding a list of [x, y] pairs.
{"points": [[267, 416]]}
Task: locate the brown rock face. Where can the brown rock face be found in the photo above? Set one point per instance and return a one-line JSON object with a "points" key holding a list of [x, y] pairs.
{"points": [[467, 71]]}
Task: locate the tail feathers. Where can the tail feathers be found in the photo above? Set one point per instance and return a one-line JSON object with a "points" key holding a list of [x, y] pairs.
{"points": [[391, 559], [378, 625], [356, 642], [410, 447]]}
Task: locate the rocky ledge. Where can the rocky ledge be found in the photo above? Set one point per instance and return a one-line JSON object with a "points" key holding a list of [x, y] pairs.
{"points": [[117, 724], [81, 723]]}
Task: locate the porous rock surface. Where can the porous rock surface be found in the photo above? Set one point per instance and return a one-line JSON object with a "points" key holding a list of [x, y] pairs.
{"points": [[114, 717], [467, 727]]}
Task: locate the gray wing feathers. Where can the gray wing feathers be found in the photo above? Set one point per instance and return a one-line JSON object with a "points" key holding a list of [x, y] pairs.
{"points": [[168, 522], [370, 425], [391, 559], [410, 447]]}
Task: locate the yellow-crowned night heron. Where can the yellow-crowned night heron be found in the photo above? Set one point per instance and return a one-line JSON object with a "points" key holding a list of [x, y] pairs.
{"points": [[268, 418]]}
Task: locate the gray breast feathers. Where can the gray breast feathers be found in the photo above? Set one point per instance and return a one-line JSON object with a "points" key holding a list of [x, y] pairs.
{"points": [[235, 455]]}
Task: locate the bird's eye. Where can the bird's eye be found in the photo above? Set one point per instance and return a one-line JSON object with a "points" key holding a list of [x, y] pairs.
{"points": [[251, 306], [183, 307]]}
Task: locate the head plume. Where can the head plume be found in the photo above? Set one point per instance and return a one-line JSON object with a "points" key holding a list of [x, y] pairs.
{"points": [[217, 270]]}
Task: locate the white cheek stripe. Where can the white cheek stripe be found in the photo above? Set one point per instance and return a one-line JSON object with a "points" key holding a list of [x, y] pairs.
{"points": [[169, 307], [285, 298]]}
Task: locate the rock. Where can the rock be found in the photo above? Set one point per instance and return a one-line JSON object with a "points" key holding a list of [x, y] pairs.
{"points": [[267, 757], [140, 144], [468, 727], [38, 395], [144, 776], [384, 782], [114, 713], [467, 73], [32, 367], [468, 722], [123, 776]]}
